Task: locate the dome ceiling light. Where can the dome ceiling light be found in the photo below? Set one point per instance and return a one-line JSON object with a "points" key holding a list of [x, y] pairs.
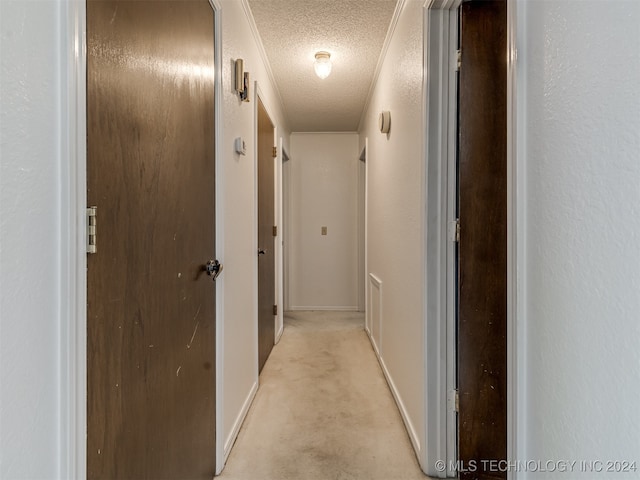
{"points": [[322, 65]]}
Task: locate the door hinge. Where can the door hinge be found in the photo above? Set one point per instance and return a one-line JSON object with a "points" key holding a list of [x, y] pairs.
{"points": [[275, 230], [458, 60], [275, 309], [92, 225], [454, 230], [275, 152], [454, 400]]}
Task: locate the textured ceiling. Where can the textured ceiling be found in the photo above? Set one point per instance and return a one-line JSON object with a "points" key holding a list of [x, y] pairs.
{"points": [[353, 31]]}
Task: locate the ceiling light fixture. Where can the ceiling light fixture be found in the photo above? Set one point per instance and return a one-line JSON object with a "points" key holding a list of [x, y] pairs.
{"points": [[322, 65]]}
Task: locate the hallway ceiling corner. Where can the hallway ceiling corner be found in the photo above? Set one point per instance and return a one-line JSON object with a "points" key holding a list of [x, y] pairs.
{"points": [[352, 31]]}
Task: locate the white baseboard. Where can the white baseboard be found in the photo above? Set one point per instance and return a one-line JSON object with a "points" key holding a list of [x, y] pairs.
{"points": [[374, 345], [325, 308], [279, 333], [228, 444], [396, 396]]}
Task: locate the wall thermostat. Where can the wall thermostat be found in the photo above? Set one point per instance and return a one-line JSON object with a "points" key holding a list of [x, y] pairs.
{"points": [[240, 146], [385, 121]]}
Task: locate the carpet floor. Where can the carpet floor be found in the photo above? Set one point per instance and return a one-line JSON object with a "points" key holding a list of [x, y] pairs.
{"points": [[323, 410]]}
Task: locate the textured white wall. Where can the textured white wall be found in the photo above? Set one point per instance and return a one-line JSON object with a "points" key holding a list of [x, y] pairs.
{"points": [[29, 240], [324, 186], [240, 363], [396, 211], [580, 112]]}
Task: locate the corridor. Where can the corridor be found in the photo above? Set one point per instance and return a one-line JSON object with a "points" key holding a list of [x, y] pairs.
{"points": [[323, 410]]}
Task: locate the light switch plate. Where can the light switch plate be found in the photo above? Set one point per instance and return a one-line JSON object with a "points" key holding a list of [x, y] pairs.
{"points": [[324, 230]]}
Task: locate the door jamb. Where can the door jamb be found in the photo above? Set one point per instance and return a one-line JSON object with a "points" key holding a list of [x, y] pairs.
{"points": [[220, 210], [438, 354], [286, 228], [362, 235], [516, 193], [257, 95], [440, 27], [73, 259], [73, 256], [282, 156]]}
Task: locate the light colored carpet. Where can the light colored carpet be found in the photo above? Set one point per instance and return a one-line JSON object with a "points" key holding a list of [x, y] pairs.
{"points": [[323, 410]]}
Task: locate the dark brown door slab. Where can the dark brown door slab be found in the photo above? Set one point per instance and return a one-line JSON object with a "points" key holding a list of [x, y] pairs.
{"points": [[266, 242], [151, 307], [482, 327]]}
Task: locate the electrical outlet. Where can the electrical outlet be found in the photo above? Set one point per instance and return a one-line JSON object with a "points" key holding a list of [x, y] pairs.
{"points": [[324, 230]]}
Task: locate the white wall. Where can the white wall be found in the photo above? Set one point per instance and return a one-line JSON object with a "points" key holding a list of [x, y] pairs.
{"points": [[396, 213], [579, 144], [30, 244], [238, 371], [323, 269]]}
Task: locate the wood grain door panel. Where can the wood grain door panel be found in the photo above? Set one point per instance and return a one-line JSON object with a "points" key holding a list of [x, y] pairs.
{"points": [[151, 308], [482, 353]]}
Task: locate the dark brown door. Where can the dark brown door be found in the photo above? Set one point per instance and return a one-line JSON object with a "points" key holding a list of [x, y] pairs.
{"points": [[151, 307], [482, 347], [266, 243]]}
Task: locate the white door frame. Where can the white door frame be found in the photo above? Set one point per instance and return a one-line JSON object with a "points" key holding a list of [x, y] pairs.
{"points": [[220, 210], [73, 256], [441, 33], [362, 233], [282, 156], [516, 261], [286, 227], [440, 37], [73, 266]]}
